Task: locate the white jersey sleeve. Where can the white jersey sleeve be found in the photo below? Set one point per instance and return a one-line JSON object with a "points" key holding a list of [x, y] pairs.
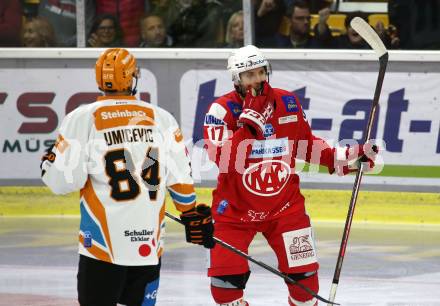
{"points": [[131, 155], [179, 180], [68, 171]]}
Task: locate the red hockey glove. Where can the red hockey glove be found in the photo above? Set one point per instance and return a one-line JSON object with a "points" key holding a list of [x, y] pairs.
{"points": [[198, 226], [347, 160], [258, 107]]}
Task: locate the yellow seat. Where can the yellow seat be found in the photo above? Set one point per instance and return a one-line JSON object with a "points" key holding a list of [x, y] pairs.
{"points": [[284, 28], [336, 23], [373, 19], [314, 19]]}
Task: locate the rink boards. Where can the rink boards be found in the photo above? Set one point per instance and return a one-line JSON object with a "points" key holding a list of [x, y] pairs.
{"points": [[38, 87]]}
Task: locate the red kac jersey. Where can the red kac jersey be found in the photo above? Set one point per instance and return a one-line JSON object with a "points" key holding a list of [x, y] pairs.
{"points": [[257, 180]]}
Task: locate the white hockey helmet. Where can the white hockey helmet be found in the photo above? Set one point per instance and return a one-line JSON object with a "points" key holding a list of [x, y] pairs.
{"points": [[246, 58]]}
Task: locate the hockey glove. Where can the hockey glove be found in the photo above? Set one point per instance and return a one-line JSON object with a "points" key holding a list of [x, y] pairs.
{"points": [[349, 159], [198, 226], [49, 155], [258, 107]]}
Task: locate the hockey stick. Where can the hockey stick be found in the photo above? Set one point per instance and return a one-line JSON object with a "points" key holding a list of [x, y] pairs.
{"points": [[261, 264], [370, 36]]}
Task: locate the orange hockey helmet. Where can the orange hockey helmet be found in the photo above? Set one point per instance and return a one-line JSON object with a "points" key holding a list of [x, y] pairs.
{"points": [[115, 70]]}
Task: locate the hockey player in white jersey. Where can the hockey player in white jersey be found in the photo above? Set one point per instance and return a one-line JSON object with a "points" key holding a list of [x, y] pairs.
{"points": [[123, 155]]}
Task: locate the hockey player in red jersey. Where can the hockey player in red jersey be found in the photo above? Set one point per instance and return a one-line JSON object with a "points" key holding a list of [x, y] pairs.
{"points": [[254, 134]]}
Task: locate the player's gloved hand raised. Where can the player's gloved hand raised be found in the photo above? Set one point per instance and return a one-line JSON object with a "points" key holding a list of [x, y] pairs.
{"points": [[349, 159], [258, 107], [198, 225]]}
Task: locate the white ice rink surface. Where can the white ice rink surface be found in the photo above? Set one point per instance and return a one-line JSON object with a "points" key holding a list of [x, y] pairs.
{"points": [[190, 288], [384, 265]]}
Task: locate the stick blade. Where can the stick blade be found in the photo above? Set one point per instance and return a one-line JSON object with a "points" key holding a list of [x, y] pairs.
{"points": [[369, 35]]}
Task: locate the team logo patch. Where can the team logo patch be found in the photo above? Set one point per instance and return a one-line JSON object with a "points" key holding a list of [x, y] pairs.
{"points": [[288, 119], [300, 247], [268, 130], [291, 103], [235, 108], [178, 135], [257, 216], [266, 178], [222, 207], [87, 239]]}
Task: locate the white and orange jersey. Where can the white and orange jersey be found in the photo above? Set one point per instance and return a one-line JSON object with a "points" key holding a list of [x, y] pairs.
{"points": [[122, 154]]}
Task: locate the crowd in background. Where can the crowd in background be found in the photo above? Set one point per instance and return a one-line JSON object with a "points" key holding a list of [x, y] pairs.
{"points": [[211, 24]]}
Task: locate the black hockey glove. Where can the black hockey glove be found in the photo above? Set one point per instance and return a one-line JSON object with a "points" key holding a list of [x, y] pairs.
{"points": [[48, 155], [198, 225]]}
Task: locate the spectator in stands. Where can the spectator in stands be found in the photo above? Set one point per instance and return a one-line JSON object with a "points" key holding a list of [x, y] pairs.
{"points": [[234, 31], [267, 20], [129, 13], [62, 15], [229, 8], [299, 36], [153, 33], [106, 32], [314, 5], [389, 36], [10, 23], [351, 39], [417, 23], [197, 23], [38, 32]]}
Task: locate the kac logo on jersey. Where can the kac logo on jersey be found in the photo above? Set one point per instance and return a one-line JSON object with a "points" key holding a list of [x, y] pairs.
{"points": [[235, 108], [268, 130], [290, 103], [266, 178]]}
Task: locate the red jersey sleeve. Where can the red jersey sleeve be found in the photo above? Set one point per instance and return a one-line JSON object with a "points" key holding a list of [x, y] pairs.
{"points": [[226, 142]]}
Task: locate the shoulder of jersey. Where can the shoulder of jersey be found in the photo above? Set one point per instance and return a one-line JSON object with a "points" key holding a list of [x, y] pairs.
{"points": [[289, 101], [162, 114], [226, 106], [223, 100], [82, 110]]}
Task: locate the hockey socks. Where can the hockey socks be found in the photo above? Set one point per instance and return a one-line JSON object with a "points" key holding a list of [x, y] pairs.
{"points": [[299, 297], [228, 297]]}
